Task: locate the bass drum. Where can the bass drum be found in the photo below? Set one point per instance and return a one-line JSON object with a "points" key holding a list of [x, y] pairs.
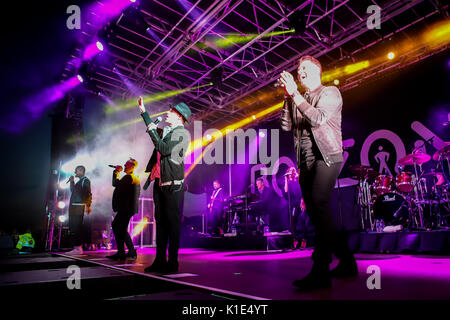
{"points": [[392, 208]]}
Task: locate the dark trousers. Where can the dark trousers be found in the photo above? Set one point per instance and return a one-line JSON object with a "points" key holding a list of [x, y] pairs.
{"points": [[167, 216], [299, 221], [215, 221], [120, 229], [76, 215], [317, 183]]}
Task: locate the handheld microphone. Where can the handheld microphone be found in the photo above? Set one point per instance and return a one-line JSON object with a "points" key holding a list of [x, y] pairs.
{"points": [[68, 180], [112, 166], [158, 120]]}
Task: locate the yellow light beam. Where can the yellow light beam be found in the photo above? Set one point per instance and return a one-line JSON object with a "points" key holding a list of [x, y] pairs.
{"points": [[232, 39], [151, 98], [139, 227], [330, 75], [199, 143], [112, 128]]}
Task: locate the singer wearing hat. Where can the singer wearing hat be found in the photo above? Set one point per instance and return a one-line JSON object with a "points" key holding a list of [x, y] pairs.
{"points": [[166, 168]]}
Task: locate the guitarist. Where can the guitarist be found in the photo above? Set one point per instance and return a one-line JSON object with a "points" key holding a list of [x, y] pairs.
{"points": [[215, 209]]}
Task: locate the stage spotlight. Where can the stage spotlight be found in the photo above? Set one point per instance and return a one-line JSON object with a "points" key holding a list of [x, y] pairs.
{"points": [[61, 204], [208, 137], [133, 1], [391, 55], [336, 82], [92, 49], [80, 78], [99, 45], [62, 218], [262, 134], [253, 117]]}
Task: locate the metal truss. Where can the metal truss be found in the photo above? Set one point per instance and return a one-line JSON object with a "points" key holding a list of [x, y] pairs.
{"points": [[171, 45]]}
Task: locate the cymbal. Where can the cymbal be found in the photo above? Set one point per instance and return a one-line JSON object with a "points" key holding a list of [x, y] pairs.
{"points": [[415, 158], [361, 171], [445, 151], [433, 173]]}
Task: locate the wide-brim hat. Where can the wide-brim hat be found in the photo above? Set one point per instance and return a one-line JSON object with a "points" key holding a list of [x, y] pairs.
{"points": [[182, 109]]}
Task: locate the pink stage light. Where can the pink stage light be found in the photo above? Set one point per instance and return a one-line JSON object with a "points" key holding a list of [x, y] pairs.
{"points": [[92, 49]]}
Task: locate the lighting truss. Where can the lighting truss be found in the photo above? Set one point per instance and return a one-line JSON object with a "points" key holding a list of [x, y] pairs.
{"points": [[179, 51]]}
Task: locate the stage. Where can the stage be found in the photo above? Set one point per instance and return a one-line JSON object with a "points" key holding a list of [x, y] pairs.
{"points": [[224, 275]]}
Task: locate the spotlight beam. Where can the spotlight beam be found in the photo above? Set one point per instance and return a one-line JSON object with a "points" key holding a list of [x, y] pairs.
{"points": [[75, 139], [152, 98]]}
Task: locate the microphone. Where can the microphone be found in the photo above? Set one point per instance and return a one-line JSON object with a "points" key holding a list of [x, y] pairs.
{"points": [[68, 180], [157, 120], [113, 166]]}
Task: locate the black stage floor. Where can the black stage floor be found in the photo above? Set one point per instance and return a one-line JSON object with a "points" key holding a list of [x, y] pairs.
{"points": [[269, 275]]}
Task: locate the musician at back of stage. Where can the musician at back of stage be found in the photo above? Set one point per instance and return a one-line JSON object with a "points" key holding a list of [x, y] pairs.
{"points": [[263, 196], [215, 209], [296, 204]]}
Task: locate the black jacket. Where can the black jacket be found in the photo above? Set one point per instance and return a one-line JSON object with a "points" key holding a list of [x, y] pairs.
{"points": [[126, 194], [172, 149], [323, 114], [81, 192], [218, 201]]}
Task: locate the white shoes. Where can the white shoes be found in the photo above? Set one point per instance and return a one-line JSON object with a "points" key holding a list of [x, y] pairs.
{"points": [[75, 251]]}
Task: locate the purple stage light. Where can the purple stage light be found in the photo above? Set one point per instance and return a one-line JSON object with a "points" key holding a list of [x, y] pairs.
{"points": [[130, 85], [80, 78], [92, 49], [99, 45], [194, 13], [34, 107]]}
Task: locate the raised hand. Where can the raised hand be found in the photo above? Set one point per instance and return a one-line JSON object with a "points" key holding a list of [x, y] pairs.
{"points": [[287, 82], [141, 104]]}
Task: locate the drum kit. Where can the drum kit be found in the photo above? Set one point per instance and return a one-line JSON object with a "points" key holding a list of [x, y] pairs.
{"points": [[415, 200]]}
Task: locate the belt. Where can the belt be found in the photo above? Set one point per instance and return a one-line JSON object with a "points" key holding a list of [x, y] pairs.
{"points": [[169, 183]]}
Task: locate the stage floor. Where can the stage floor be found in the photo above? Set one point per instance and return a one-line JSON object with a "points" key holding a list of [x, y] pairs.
{"points": [[269, 275]]}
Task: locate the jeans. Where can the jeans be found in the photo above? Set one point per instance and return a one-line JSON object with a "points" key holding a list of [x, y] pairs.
{"points": [[317, 183], [120, 226], [76, 215], [168, 220]]}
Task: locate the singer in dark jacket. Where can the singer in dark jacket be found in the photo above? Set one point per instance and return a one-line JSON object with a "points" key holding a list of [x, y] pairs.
{"points": [[126, 203], [80, 198], [166, 168], [315, 119]]}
